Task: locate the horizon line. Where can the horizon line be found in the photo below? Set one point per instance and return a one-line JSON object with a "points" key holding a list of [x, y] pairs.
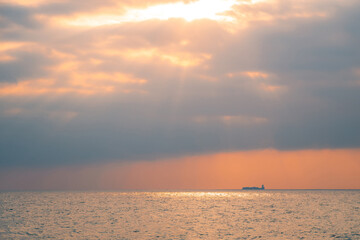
{"points": [[175, 190]]}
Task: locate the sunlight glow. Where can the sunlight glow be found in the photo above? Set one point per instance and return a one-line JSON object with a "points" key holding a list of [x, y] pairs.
{"points": [[201, 9], [209, 9]]}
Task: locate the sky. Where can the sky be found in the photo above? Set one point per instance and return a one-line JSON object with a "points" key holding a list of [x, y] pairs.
{"points": [[171, 94]]}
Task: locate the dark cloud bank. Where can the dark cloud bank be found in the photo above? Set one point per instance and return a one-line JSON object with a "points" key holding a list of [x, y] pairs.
{"points": [[313, 62]]}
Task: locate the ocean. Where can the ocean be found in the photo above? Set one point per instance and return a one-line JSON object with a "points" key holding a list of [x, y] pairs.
{"points": [[268, 214]]}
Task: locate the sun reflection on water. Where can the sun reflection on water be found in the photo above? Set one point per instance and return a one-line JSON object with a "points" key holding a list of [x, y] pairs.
{"points": [[180, 215]]}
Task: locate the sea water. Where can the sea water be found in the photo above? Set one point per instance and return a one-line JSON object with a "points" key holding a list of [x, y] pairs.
{"points": [[265, 214]]}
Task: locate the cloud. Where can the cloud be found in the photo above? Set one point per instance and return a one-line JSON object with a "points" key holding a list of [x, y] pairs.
{"points": [[17, 15], [23, 64], [282, 74]]}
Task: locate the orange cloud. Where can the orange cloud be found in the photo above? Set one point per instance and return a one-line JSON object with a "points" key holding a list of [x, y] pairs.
{"points": [[8, 46], [270, 10], [105, 2], [79, 83], [256, 74], [149, 55], [231, 120], [29, 2], [271, 88], [259, 79], [252, 75], [187, 10], [6, 58], [5, 46], [37, 87]]}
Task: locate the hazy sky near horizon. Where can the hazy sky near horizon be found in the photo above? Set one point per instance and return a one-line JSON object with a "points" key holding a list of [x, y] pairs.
{"points": [[110, 82]]}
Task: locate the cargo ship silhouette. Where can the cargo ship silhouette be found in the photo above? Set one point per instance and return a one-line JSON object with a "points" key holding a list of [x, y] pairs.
{"points": [[254, 188]]}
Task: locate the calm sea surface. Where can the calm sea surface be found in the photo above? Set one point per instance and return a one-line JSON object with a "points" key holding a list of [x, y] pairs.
{"points": [[181, 215]]}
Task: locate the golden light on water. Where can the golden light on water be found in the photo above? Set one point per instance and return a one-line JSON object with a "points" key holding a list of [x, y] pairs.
{"points": [[198, 194]]}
